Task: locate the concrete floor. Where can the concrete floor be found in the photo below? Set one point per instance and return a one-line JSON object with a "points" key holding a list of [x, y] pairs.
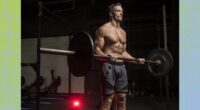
{"points": [[92, 103]]}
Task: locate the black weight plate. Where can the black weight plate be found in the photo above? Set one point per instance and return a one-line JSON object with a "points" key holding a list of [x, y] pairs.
{"points": [[80, 63], [166, 60]]}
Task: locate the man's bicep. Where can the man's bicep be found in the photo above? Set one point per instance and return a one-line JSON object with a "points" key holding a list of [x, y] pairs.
{"points": [[99, 42]]}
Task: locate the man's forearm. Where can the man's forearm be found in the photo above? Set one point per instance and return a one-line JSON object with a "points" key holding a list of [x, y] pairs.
{"points": [[127, 55], [99, 52]]}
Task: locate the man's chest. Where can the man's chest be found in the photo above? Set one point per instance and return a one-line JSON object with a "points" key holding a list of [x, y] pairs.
{"points": [[115, 36]]}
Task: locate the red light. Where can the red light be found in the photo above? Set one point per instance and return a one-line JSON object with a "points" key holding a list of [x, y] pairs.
{"points": [[76, 103]]}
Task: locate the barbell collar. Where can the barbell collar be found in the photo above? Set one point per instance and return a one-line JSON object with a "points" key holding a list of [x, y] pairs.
{"points": [[57, 51], [156, 62]]}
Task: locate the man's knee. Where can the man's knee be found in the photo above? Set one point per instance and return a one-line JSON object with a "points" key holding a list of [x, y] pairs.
{"points": [[109, 98], [107, 102], [122, 101], [121, 96]]}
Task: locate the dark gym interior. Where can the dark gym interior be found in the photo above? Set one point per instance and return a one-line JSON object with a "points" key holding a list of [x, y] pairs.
{"points": [[61, 19]]}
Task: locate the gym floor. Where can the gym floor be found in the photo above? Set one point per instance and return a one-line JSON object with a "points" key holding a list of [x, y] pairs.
{"points": [[89, 103]]}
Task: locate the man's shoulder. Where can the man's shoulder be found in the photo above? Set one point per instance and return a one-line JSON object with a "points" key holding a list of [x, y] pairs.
{"points": [[103, 28]]}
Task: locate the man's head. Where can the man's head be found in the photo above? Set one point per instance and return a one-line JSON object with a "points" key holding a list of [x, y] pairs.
{"points": [[116, 12]]}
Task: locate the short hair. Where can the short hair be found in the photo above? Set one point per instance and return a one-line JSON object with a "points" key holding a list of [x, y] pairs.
{"points": [[111, 7]]}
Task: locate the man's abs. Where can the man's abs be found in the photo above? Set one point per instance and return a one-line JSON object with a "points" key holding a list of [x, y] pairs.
{"points": [[114, 52]]}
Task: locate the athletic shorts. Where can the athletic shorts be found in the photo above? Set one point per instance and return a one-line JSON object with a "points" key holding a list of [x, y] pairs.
{"points": [[114, 78]]}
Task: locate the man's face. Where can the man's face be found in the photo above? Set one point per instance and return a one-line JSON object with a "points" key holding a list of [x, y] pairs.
{"points": [[117, 13]]}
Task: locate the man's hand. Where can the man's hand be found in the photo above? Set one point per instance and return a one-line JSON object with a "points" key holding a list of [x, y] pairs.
{"points": [[114, 57], [141, 60]]}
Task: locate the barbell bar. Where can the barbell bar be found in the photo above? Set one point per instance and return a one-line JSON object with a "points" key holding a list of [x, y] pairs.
{"points": [[57, 51], [81, 53], [69, 52], [127, 59]]}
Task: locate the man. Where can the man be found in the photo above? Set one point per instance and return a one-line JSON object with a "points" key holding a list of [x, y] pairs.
{"points": [[111, 41]]}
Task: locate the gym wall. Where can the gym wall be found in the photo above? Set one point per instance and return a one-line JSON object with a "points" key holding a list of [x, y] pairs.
{"points": [[57, 63]]}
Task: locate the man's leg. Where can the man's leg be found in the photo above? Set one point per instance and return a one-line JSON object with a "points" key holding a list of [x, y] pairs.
{"points": [[108, 81], [121, 86], [121, 99], [107, 102]]}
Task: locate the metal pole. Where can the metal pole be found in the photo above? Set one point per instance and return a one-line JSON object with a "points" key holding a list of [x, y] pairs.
{"points": [[38, 55], [70, 38], [165, 46], [164, 26]]}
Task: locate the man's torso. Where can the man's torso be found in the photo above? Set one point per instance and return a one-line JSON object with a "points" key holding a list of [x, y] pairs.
{"points": [[115, 40]]}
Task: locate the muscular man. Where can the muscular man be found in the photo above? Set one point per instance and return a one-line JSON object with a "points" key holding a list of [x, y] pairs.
{"points": [[111, 41]]}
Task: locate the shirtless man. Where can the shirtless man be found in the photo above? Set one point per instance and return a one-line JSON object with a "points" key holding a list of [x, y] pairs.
{"points": [[111, 41]]}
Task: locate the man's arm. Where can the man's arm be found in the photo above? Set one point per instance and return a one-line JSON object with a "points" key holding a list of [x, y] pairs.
{"points": [[125, 54], [99, 42], [128, 56]]}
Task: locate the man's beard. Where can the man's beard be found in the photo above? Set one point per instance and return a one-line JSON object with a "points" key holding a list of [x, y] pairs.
{"points": [[118, 19]]}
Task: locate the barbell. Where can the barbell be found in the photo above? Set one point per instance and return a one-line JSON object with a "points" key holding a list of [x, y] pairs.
{"points": [[81, 54]]}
